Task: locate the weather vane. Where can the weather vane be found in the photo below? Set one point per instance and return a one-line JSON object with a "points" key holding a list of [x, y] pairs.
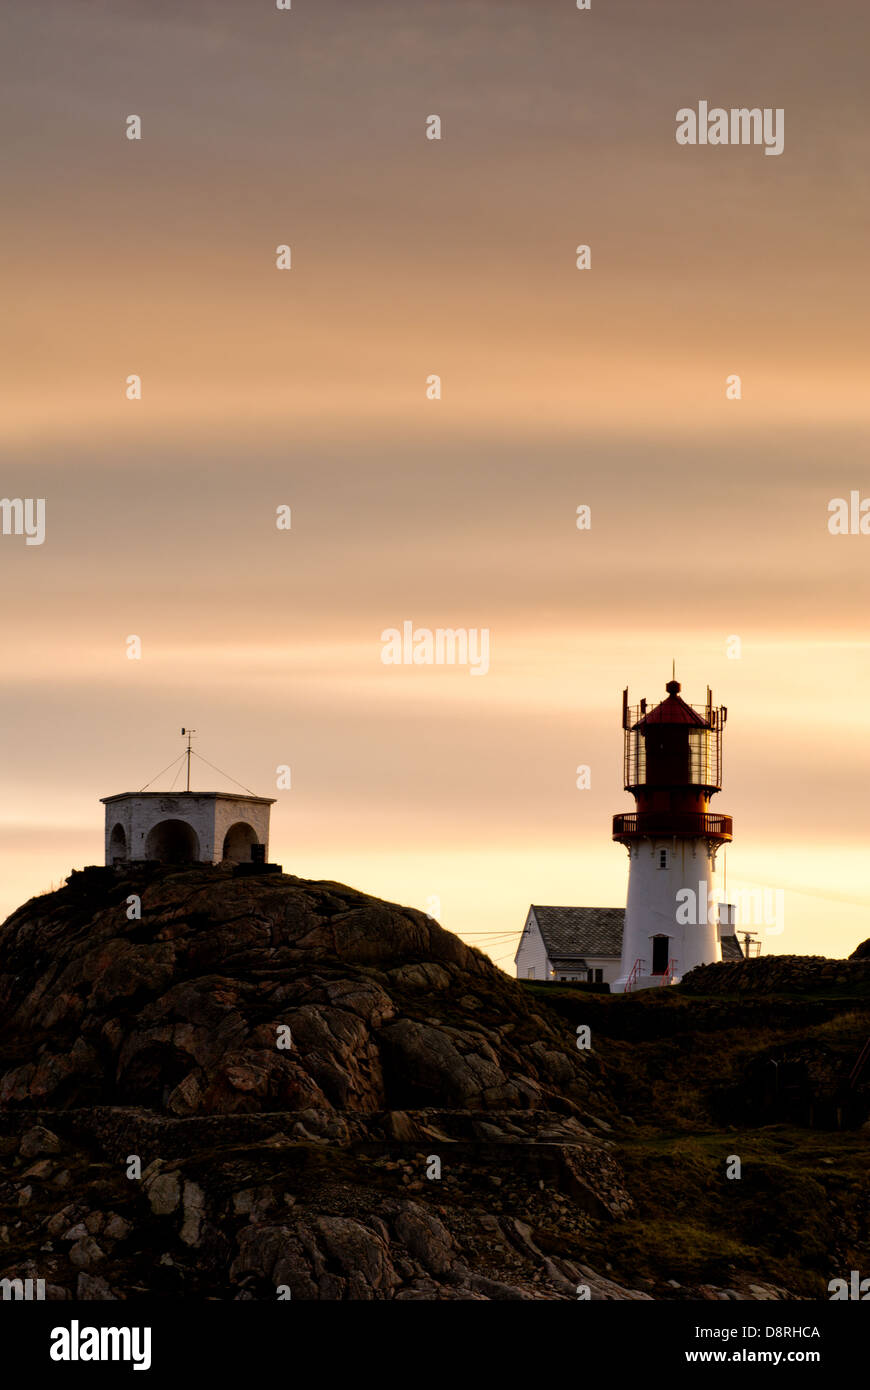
{"points": [[190, 733]]}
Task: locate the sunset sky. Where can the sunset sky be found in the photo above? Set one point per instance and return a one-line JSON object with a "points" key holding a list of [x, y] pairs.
{"points": [[560, 387]]}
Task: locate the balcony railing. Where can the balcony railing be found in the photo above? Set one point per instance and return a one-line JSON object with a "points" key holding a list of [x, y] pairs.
{"points": [[638, 823]]}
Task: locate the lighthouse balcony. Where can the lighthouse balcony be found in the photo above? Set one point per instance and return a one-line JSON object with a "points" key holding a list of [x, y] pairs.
{"points": [[640, 824]]}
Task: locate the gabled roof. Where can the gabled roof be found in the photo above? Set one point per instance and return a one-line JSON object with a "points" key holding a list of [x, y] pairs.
{"points": [[569, 932]]}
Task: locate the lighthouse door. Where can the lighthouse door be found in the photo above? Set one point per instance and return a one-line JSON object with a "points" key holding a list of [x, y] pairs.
{"points": [[660, 958]]}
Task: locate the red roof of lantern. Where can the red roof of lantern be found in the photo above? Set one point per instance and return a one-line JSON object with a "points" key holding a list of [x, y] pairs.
{"points": [[673, 710]]}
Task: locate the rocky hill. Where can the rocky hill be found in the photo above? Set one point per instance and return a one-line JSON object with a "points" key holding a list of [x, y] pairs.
{"points": [[222, 1086]]}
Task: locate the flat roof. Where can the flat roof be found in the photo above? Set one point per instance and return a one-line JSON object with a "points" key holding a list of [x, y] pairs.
{"points": [[181, 796]]}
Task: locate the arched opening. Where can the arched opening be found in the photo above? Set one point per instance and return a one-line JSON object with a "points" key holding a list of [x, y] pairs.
{"points": [[238, 841], [172, 842], [117, 844]]}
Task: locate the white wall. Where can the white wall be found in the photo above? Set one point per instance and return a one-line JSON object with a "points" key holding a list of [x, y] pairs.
{"points": [[652, 904], [208, 815], [531, 953], [139, 814], [608, 965], [227, 813]]}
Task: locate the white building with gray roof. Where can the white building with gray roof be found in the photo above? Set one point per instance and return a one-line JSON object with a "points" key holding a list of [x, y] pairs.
{"points": [[580, 943]]}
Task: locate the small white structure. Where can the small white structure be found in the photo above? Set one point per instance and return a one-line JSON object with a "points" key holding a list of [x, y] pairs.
{"points": [[585, 943], [186, 827], [571, 943]]}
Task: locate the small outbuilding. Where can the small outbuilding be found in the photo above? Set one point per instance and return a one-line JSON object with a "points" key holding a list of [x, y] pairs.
{"points": [[186, 827], [581, 943]]}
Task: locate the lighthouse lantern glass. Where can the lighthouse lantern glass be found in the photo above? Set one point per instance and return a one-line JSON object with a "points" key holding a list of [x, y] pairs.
{"points": [[703, 760], [640, 758], [657, 755]]}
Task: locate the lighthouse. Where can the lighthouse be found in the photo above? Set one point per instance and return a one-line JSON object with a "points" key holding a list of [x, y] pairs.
{"points": [[672, 767]]}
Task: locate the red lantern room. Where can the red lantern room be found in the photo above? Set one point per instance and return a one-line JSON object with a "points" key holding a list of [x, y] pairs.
{"points": [[672, 766]]}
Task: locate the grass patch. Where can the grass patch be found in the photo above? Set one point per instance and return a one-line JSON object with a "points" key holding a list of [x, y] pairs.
{"points": [[787, 1220]]}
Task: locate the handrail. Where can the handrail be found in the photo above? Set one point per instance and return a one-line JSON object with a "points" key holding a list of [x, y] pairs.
{"points": [[635, 971], [673, 823], [668, 972]]}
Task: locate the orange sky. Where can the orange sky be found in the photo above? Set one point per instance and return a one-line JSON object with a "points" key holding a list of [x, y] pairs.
{"points": [[560, 387]]}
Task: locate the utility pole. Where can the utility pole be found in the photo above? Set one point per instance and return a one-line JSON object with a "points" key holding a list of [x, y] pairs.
{"points": [[190, 733]]}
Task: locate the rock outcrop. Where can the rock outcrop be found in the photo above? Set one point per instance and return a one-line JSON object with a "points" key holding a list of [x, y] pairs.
{"points": [[786, 974], [222, 1086], [254, 1087], [238, 995]]}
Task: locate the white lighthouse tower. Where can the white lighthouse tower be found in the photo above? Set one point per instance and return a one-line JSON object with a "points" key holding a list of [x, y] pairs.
{"points": [[673, 765]]}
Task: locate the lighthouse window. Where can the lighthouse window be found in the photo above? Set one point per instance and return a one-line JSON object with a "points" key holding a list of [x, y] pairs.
{"points": [[663, 858]]}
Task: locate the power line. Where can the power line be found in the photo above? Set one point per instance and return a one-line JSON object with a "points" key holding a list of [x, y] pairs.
{"points": [[491, 941], [223, 774], [493, 933], [160, 774], [499, 941]]}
